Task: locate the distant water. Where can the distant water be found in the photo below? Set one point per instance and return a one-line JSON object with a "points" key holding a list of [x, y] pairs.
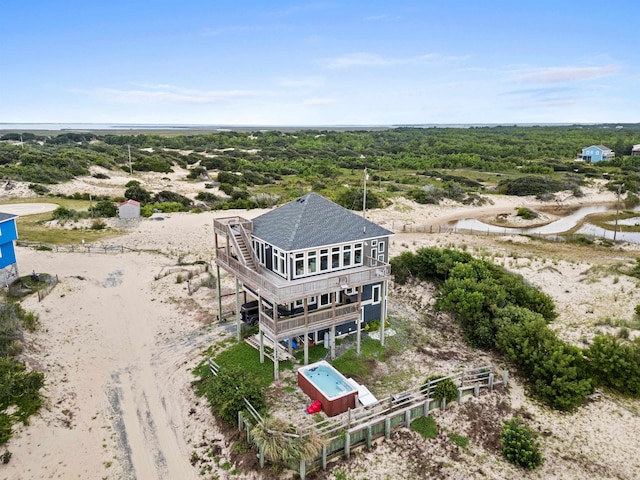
{"points": [[26, 127]]}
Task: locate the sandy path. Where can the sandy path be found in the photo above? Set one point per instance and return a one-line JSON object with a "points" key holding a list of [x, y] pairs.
{"points": [[114, 356]]}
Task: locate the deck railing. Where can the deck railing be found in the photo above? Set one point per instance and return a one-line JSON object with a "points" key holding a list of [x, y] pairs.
{"points": [[286, 292], [316, 320]]}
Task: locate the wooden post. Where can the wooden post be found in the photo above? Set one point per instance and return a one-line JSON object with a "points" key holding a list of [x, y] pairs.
{"points": [[261, 336], [491, 382], [505, 378], [240, 422], [368, 436], [276, 365], [407, 418], [332, 341], [476, 390], [238, 319], [290, 346], [360, 322], [425, 408], [459, 396], [443, 404], [261, 456], [387, 428], [383, 311], [303, 469], [347, 444], [324, 457], [306, 332]]}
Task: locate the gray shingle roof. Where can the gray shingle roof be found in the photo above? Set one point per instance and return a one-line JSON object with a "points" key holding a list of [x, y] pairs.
{"points": [[311, 221], [6, 216]]}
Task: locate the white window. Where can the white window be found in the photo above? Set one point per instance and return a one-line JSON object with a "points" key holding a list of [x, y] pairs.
{"points": [[375, 294], [357, 254], [325, 300], [381, 247], [346, 256], [381, 257], [299, 264], [374, 243], [324, 259], [280, 262], [311, 262]]}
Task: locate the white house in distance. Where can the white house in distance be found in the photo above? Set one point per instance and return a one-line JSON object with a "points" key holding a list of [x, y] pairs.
{"points": [[129, 209], [597, 153], [635, 151]]}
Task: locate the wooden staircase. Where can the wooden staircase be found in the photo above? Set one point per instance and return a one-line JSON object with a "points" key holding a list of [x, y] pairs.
{"points": [[245, 250]]}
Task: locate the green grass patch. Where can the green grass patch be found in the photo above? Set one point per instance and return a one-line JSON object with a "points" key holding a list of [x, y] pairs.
{"points": [[350, 364], [425, 426], [316, 353], [459, 440], [246, 358]]}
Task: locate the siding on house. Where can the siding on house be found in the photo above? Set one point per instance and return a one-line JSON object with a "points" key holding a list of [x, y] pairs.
{"points": [[597, 153]]}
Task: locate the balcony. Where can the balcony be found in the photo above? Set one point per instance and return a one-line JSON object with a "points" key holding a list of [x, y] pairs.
{"points": [[316, 320], [277, 290]]}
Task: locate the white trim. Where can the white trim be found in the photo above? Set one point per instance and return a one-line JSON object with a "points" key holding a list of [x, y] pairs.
{"points": [[373, 294]]}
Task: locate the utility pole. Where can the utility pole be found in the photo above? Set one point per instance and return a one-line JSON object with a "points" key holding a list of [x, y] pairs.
{"points": [[379, 174], [364, 195], [615, 229], [130, 169]]}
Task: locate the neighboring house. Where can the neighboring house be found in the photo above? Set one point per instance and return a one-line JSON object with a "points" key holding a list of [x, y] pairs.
{"points": [[313, 269], [129, 209], [8, 234], [597, 153], [635, 150]]}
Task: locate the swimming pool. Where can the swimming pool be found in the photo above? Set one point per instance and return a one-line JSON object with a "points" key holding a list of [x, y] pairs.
{"points": [[320, 381]]}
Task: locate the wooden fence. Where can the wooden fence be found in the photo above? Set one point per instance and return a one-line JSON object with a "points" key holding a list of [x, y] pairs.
{"points": [[360, 426], [51, 282]]}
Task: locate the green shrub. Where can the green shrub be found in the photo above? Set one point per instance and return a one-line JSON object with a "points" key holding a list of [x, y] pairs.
{"points": [[615, 363], [104, 208], [519, 444], [445, 389], [526, 213], [425, 426]]}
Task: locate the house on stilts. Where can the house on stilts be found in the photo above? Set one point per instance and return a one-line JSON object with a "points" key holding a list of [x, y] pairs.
{"points": [[309, 270]]}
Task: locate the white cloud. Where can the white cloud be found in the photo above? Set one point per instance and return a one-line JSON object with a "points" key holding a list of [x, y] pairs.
{"points": [[170, 94], [549, 75], [362, 59]]}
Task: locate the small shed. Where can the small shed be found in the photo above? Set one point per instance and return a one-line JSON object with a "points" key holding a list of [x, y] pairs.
{"points": [[635, 150], [129, 209]]}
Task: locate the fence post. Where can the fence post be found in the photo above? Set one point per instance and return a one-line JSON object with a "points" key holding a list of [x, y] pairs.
{"points": [[407, 418], [303, 469], [347, 444], [443, 404], [505, 378], [425, 409], [240, 422], [369, 436], [491, 382], [324, 457], [247, 425], [459, 396], [387, 428], [476, 390]]}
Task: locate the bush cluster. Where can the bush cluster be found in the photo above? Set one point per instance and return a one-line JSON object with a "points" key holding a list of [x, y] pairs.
{"points": [[498, 310], [519, 444]]}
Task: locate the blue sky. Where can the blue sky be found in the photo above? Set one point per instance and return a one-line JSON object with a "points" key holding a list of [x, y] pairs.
{"points": [[320, 63]]}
